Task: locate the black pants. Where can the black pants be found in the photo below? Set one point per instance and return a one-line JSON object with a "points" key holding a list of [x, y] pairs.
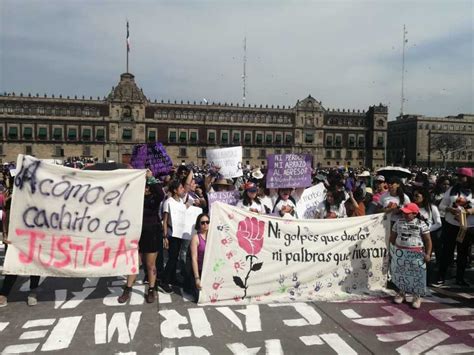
{"points": [[9, 281], [448, 244], [169, 276]]}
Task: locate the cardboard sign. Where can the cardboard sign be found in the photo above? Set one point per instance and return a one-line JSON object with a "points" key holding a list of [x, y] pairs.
{"points": [[228, 159], [68, 222], [288, 170], [152, 156], [408, 269], [183, 219], [264, 259], [309, 201], [227, 197]]}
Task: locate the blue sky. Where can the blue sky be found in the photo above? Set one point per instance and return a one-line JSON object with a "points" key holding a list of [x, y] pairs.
{"points": [[345, 53]]}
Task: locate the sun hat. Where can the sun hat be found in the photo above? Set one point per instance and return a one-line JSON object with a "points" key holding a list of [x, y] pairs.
{"points": [[410, 208], [464, 172], [365, 173], [257, 174]]}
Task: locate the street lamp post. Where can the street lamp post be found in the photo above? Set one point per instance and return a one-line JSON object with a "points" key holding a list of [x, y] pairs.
{"points": [[429, 148]]}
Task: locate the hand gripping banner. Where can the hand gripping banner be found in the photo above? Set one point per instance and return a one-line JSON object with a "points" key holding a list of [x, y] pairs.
{"points": [[251, 258], [73, 223]]}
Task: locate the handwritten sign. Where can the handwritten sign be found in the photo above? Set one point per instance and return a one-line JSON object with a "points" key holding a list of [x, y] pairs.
{"points": [[183, 219], [152, 156], [228, 197], [288, 170], [408, 269], [309, 201], [229, 160], [264, 259], [67, 222]]}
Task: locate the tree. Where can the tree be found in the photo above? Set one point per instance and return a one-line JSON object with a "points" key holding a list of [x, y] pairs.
{"points": [[447, 143]]}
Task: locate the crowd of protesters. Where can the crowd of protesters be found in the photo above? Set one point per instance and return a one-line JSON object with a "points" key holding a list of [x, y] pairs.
{"points": [[435, 206]]}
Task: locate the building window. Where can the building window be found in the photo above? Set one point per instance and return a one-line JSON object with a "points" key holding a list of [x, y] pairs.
{"points": [[172, 137], [58, 151], [288, 138], [329, 139], [225, 137], [28, 150], [262, 153], [278, 138], [277, 151], [259, 138], [380, 141], [236, 137], [182, 137], [248, 138], [13, 132], [352, 140], [360, 154], [329, 154], [151, 136], [337, 154], [380, 123], [86, 151], [100, 134], [193, 137], [1, 149], [27, 132], [361, 142], [309, 138], [1, 132], [42, 133], [349, 154], [268, 138], [57, 133], [211, 138], [247, 153], [86, 134], [127, 134], [71, 134], [202, 152], [183, 152], [338, 140]]}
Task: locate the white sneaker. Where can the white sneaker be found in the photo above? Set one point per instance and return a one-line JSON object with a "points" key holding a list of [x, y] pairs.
{"points": [[32, 300], [3, 301], [416, 302], [399, 298]]}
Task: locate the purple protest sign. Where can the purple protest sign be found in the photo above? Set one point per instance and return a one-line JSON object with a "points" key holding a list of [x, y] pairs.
{"points": [[228, 197], [152, 156], [288, 170]]}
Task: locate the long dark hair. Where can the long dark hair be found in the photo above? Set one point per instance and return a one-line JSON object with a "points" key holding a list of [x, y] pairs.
{"points": [[400, 191], [426, 204], [246, 199], [459, 187], [338, 199], [279, 199], [173, 186], [197, 224]]}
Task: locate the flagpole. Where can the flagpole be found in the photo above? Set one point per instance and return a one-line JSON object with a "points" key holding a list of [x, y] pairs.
{"points": [[127, 45]]}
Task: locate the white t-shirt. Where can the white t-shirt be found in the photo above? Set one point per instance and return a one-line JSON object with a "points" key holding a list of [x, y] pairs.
{"points": [[256, 206], [167, 208], [434, 218], [386, 199], [283, 203], [409, 234], [450, 201], [321, 212]]}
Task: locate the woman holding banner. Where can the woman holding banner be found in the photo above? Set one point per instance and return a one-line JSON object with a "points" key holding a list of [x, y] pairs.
{"points": [[171, 241], [149, 242], [250, 201], [395, 198], [410, 234], [198, 247], [332, 206]]}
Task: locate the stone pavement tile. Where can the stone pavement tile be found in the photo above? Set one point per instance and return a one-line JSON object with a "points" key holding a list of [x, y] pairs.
{"points": [[297, 328], [400, 329]]}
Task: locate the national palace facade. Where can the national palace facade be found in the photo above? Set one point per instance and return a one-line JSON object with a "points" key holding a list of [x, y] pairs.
{"points": [[50, 127]]}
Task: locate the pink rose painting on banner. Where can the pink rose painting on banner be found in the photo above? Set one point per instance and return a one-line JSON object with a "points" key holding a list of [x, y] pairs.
{"points": [[250, 238]]}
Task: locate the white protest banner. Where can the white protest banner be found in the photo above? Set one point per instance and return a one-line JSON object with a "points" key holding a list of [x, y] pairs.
{"points": [[228, 159], [183, 219], [408, 269], [73, 223], [253, 258], [309, 201]]}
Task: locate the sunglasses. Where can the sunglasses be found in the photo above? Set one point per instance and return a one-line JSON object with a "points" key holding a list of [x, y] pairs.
{"points": [[204, 222]]}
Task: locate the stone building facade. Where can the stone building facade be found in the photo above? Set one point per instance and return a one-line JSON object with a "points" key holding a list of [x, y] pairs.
{"points": [[108, 128], [412, 140]]}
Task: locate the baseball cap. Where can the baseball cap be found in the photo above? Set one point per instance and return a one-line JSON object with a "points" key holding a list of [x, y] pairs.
{"points": [[410, 208], [464, 172]]}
